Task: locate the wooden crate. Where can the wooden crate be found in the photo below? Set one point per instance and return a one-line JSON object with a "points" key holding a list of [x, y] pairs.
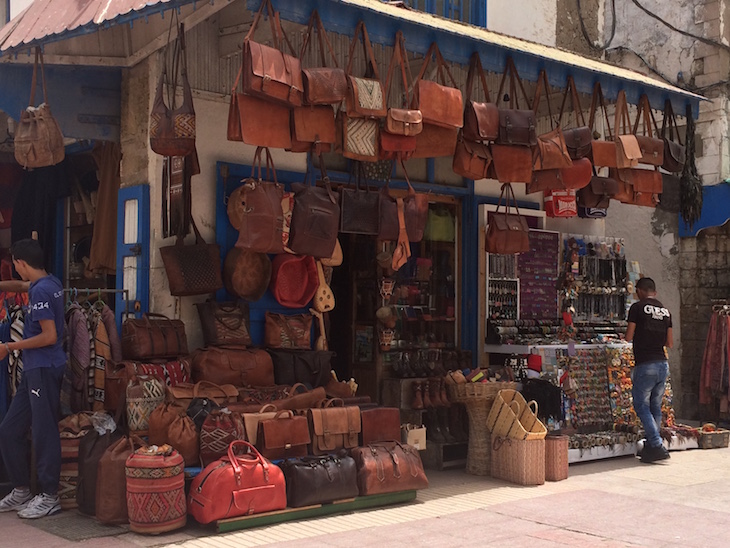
{"points": [[714, 440], [444, 456]]}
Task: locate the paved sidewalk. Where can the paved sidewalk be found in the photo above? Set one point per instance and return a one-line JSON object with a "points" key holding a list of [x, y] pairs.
{"points": [[618, 502]]}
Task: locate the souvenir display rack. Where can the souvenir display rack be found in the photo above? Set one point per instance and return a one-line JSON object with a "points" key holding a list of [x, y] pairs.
{"points": [[589, 409], [538, 274]]}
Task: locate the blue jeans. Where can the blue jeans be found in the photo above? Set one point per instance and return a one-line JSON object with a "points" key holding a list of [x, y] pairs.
{"points": [[648, 390]]}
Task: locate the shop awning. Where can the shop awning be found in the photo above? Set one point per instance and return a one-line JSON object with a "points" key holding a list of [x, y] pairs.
{"points": [[47, 21]]}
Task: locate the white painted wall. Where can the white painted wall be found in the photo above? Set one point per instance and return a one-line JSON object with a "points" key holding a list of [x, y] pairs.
{"points": [[532, 20]]}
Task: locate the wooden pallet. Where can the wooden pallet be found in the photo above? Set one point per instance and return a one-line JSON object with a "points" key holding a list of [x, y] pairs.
{"points": [[444, 456], [318, 510]]}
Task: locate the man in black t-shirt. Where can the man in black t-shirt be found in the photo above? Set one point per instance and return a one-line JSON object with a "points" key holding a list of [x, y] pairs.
{"points": [[650, 329]]}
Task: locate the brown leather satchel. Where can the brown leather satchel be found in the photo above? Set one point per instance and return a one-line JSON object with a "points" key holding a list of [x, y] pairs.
{"points": [[322, 85], [603, 151], [283, 436], [313, 126], [512, 164], [234, 365], [365, 97], [380, 424], [388, 467], [256, 121], [224, 323], [507, 233], [268, 72], [38, 141], [574, 177], [315, 218], [481, 120], [192, 269], [598, 193], [643, 180], [550, 151], [628, 151], [416, 213], [153, 336], [333, 428], [625, 192], [288, 331], [262, 216], [652, 148], [674, 153], [471, 159], [516, 126], [577, 140], [252, 418], [172, 130]]}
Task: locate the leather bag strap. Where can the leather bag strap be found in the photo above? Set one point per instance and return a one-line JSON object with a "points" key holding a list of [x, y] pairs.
{"points": [[645, 114], [669, 122], [575, 100], [622, 120], [315, 25], [597, 101], [442, 68], [514, 81], [543, 86], [34, 81], [476, 69], [361, 30], [400, 56]]}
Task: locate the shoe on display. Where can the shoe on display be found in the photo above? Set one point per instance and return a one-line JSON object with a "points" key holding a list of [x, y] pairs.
{"points": [[16, 500], [41, 506]]}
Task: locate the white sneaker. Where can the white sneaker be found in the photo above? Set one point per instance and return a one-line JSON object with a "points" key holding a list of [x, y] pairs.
{"points": [[16, 500], [42, 505]]}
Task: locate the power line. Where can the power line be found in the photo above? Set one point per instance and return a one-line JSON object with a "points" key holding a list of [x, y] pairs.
{"points": [[584, 30]]}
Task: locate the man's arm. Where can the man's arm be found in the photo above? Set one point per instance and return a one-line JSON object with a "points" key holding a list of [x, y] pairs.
{"points": [[46, 337], [14, 286], [670, 339], [630, 330]]}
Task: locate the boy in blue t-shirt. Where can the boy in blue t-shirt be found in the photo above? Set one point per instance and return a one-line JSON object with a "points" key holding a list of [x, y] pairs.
{"points": [[36, 405]]}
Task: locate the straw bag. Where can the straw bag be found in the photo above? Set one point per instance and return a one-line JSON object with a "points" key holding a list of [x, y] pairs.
{"points": [[512, 417]]}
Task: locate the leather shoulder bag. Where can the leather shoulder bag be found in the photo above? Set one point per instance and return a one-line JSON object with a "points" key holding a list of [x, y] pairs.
{"points": [[365, 97], [284, 436], [312, 368], [578, 139], [322, 85], [172, 130], [481, 119], [153, 336], [603, 151], [224, 323], [507, 233], [415, 211], [598, 193], [652, 147], [550, 151], [288, 331], [263, 218], [333, 428], [38, 141], [674, 153], [628, 151], [360, 207]]}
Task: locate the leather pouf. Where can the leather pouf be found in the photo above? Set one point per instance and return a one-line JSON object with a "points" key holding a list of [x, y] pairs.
{"points": [[156, 490], [246, 273]]}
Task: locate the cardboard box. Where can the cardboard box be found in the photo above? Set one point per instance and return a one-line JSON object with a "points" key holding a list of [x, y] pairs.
{"points": [[415, 436]]}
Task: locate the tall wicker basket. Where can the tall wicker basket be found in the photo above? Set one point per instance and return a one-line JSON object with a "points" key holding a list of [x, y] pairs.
{"points": [[519, 461], [556, 458]]}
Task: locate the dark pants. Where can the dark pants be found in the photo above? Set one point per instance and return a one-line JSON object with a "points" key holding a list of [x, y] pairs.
{"points": [[36, 408]]}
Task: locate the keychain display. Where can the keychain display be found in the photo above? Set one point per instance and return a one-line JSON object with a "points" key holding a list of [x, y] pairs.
{"points": [[503, 299], [538, 274]]}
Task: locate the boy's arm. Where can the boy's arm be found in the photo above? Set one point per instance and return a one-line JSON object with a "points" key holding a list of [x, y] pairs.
{"points": [[670, 338], [46, 337], [14, 286]]}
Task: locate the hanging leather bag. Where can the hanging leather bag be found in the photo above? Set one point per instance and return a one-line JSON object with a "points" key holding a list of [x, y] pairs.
{"points": [[172, 130], [269, 73], [388, 467], [239, 485], [481, 119], [471, 159], [516, 126], [441, 106], [262, 216], [322, 85], [628, 151], [415, 212], [288, 331], [153, 336], [284, 436], [365, 97], [319, 480], [578, 139], [674, 153], [360, 207], [507, 233], [625, 193], [38, 141], [550, 151], [224, 323], [192, 269], [652, 147], [232, 364], [603, 151], [574, 177], [315, 218], [598, 193], [333, 428]]}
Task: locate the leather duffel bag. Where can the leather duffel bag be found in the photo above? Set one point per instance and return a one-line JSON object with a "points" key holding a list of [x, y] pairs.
{"points": [[333, 428], [380, 424], [388, 467], [311, 368], [153, 336], [239, 485], [319, 480], [234, 365]]}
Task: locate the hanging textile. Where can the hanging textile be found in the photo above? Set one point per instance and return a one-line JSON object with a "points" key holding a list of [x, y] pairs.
{"points": [[75, 394], [110, 322], [714, 375], [103, 257], [16, 315], [102, 353]]}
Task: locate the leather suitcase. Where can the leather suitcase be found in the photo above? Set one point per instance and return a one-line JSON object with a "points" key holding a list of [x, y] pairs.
{"points": [[234, 365], [153, 336], [334, 428], [388, 467], [319, 480], [380, 424]]}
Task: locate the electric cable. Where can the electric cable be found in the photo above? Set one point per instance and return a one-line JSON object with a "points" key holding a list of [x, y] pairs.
{"points": [[584, 30]]}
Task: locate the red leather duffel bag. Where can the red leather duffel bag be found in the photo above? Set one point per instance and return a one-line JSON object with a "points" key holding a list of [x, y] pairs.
{"points": [[237, 485]]}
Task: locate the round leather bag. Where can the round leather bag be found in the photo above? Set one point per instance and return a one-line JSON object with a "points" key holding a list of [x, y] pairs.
{"points": [[294, 280], [246, 273], [235, 208]]}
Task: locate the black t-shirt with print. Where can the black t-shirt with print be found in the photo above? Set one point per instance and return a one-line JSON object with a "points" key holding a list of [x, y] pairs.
{"points": [[652, 322]]}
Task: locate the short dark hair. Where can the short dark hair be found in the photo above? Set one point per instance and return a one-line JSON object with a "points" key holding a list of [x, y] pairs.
{"points": [[646, 284], [30, 251]]}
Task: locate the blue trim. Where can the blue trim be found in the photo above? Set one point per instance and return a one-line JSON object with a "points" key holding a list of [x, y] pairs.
{"points": [[715, 210], [140, 193], [469, 305], [59, 255]]}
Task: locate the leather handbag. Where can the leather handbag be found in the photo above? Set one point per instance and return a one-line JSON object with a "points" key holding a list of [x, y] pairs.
{"points": [[185, 393], [360, 208], [674, 153], [262, 216], [333, 428], [288, 331], [153, 336], [628, 151], [598, 193], [578, 139], [224, 323], [471, 159], [322, 85], [172, 130], [507, 233], [643, 180], [268, 73], [550, 151], [652, 147], [671, 193], [220, 428], [441, 106], [574, 177], [603, 151], [312, 368], [512, 164], [481, 120], [516, 126], [192, 269], [388, 467], [415, 211], [251, 421], [365, 97], [380, 424], [232, 364], [625, 193], [38, 141], [284, 436], [319, 480], [111, 483], [392, 146], [313, 128], [315, 219], [239, 485]]}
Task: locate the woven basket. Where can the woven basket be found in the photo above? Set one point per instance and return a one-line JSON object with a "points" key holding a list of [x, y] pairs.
{"points": [[512, 417], [556, 458], [460, 392], [518, 461], [478, 455]]}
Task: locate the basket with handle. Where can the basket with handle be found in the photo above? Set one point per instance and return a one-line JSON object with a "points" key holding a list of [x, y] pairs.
{"points": [[512, 416], [503, 415]]}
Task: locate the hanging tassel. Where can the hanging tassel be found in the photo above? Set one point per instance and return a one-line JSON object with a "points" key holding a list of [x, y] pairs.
{"points": [[690, 181]]}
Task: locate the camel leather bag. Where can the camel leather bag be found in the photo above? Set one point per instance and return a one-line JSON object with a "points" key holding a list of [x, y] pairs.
{"points": [[507, 233]]}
